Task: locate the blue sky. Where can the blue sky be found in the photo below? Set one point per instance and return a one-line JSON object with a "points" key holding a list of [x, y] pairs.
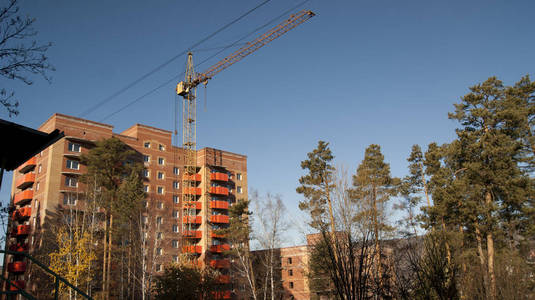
{"points": [[360, 72]]}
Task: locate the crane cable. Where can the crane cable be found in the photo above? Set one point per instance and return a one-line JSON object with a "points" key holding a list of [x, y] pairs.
{"points": [[159, 67], [174, 78]]}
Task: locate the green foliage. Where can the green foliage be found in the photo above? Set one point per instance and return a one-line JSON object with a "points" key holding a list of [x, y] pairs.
{"points": [[184, 282], [317, 184], [372, 187]]}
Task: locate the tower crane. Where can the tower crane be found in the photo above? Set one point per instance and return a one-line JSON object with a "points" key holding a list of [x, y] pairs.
{"points": [[187, 89]]}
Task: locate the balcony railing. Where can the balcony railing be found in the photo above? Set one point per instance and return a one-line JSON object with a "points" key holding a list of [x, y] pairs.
{"points": [[16, 267], [219, 204], [220, 263], [25, 180], [22, 197], [197, 205], [215, 235], [193, 234], [192, 177], [219, 219], [21, 230], [219, 190], [192, 219], [22, 213], [192, 249], [19, 247], [193, 191], [219, 176], [18, 284], [220, 248], [222, 295], [27, 166], [223, 279]]}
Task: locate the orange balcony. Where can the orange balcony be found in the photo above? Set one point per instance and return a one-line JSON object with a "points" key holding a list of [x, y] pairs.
{"points": [[193, 234], [21, 230], [25, 180], [18, 284], [219, 176], [16, 267], [192, 249], [27, 166], [22, 213], [219, 190], [197, 205], [215, 235], [219, 219], [192, 177], [22, 197], [222, 295], [193, 191], [223, 279], [219, 204], [19, 247], [220, 263], [220, 248], [192, 219]]}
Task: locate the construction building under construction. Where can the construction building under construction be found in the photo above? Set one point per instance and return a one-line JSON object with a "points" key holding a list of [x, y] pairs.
{"points": [[50, 180]]}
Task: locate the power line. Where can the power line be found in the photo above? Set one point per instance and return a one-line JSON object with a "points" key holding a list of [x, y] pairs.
{"points": [[159, 67], [237, 42]]}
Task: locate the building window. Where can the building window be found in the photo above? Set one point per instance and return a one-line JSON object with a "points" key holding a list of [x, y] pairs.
{"points": [[159, 236], [74, 147], [71, 181], [146, 145], [161, 147], [291, 285], [238, 176], [175, 228], [290, 273], [161, 175], [39, 169], [72, 164], [160, 205], [69, 199], [175, 214], [160, 190], [176, 171], [37, 185], [289, 260], [175, 199], [239, 190], [175, 185], [175, 258], [146, 188], [145, 203], [161, 161], [175, 244], [146, 158], [158, 268], [145, 220], [146, 173], [159, 220]]}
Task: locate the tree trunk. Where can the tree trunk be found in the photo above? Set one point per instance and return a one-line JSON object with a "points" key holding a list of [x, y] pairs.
{"points": [[490, 252], [105, 254], [376, 233], [108, 269], [481, 256]]}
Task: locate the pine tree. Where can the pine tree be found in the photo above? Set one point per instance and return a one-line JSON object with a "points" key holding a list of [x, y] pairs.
{"points": [[493, 140], [372, 187], [317, 186], [108, 163]]}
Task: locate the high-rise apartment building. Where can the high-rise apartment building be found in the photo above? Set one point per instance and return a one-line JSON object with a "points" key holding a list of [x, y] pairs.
{"points": [[50, 180]]}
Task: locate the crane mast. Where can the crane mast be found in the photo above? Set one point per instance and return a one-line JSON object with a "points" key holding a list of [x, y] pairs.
{"points": [[187, 89]]}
